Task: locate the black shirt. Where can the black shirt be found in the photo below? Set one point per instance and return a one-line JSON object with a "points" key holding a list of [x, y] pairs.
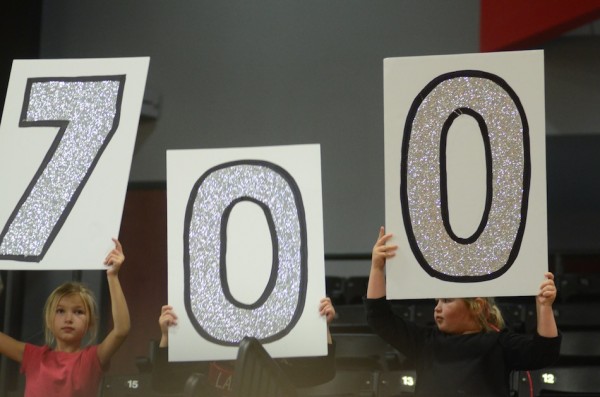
{"points": [[477, 364]]}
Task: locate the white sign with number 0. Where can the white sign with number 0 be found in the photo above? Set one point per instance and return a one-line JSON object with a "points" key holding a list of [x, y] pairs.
{"points": [[245, 251], [465, 175]]}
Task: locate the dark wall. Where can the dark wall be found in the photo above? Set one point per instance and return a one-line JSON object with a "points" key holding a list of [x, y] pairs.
{"points": [[573, 169], [20, 32], [144, 273], [270, 72]]}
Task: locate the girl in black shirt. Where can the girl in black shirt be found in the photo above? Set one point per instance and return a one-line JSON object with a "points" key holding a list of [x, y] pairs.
{"points": [[468, 352]]}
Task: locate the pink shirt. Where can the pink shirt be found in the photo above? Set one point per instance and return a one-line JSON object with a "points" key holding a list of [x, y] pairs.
{"points": [[49, 373]]}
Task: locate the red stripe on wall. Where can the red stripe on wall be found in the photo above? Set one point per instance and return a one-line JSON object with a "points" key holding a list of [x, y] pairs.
{"points": [[522, 24]]}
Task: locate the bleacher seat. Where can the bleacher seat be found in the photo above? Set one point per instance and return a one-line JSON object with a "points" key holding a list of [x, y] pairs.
{"points": [[365, 351], [576, 316], [365, 366], [347, 383], [423, 312], [395, 383], [580, 348], [134, 385], [579, 287], [355, 288], [257, 374], [334, 288], [350, 319], [563, 381], [515, 316]]}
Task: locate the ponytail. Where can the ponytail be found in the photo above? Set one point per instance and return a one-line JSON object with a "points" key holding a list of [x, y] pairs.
{"points": [[487, 313]]}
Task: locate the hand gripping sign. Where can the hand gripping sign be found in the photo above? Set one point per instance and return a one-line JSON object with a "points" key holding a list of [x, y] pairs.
{"points": [[245, 250], [66, 141], [465, 174]]}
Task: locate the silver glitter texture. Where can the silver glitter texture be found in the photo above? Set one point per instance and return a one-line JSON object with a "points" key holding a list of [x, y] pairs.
{"points": [[491, 250], [90, 108], [214, 313]]}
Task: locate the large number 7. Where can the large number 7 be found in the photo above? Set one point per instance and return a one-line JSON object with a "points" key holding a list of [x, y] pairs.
{"points": [[86, 111]]}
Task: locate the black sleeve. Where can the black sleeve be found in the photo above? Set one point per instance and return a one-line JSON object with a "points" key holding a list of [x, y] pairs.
{"points": [[171, 377], [310, 371], [528, 352], [405, 336]]}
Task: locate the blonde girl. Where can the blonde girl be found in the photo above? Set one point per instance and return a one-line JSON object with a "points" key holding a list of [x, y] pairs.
{"points": [[66, 366], [54, 304], [469, 352]]}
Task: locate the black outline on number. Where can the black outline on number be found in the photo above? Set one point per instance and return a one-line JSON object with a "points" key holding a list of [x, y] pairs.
{"points": [[62, 126], [444, 178], [223, 253], [403, 177], [274, 267]]}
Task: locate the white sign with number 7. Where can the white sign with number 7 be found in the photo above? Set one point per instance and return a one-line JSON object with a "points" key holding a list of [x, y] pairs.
{"points": [[66, 141]]}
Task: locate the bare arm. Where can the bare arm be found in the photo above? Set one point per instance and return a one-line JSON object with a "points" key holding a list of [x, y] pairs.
{"points": [[11, 348], [546, 324], [381, 251], [120, 313]]}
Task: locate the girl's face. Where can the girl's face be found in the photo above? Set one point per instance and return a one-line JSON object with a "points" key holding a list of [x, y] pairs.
{"points": [[452, 316], [71, 321]]}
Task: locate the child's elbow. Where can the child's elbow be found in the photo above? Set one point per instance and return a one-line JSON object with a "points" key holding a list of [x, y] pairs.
{"points": [[122, 331]]}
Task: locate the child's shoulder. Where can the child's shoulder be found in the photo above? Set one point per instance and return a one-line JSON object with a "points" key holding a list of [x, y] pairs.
{"points": [[36, 349]]}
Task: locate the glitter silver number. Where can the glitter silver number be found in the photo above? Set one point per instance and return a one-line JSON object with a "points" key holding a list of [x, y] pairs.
{"points": [[216, 315], [494, 246], [86, 112]]}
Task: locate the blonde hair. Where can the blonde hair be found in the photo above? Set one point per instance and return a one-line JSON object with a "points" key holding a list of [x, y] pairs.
{"points": [[486, 313], [89, 302]]}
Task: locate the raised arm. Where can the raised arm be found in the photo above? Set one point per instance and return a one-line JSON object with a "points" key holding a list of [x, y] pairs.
{"points": [[120, 313], [381, 251], [546, 324], [11, 347]]}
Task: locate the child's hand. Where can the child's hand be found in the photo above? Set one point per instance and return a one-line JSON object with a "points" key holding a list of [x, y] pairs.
{"points": [[381, 251], [326, 309], [114, 259], [547, 293], [167, 318]]}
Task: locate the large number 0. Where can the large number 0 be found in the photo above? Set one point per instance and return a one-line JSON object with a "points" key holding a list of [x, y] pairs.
{"points": [[86, 112], [214, 312], [494, 246]]}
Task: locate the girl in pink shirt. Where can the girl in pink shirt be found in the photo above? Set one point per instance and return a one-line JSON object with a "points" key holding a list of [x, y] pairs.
{"points": [[63, 367]]}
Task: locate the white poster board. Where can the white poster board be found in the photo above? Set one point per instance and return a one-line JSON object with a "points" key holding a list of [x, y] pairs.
{"points": [[465, 174], [246, 256], [66, 141]]}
